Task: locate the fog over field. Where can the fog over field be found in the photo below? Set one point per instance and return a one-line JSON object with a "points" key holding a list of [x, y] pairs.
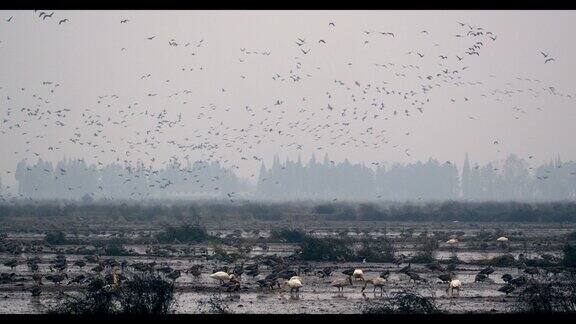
{"points": [[255, 105]]}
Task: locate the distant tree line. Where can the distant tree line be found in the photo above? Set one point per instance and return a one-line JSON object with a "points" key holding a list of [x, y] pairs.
{"points": [[194, 213], [510, 180], [75, 179]]}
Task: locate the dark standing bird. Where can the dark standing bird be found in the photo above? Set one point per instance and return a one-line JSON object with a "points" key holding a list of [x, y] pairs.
{"points": [[446, 277], [507, 288], [405, 269], [507, 277], [385, 274], [196, 271], [486, 271], [481, 277], [174, 275], [57, 278], [238, 270], [532, 271], [349, 272], [415, 277], [36, 291], [325, 272], [520, 281], [12, 263]]}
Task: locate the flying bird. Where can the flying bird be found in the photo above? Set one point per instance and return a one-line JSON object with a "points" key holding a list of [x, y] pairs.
{"points": [[47, 16]]}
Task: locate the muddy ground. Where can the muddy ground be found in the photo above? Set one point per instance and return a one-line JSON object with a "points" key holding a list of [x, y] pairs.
{"points": [[317, 295]]}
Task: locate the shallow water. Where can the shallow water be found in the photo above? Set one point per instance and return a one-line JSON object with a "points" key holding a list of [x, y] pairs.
{"points": [[317, 295]]}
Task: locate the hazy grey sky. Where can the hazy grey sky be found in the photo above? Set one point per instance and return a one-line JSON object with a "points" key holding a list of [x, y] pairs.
{"points": [[228, 98]]}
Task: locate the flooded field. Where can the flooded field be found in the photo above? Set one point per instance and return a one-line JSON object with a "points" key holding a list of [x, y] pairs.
{"points": [[476, 247]]}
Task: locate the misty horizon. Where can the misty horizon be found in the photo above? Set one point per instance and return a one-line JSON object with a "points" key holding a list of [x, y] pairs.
{"points": [[316, 179], [239, 88]]}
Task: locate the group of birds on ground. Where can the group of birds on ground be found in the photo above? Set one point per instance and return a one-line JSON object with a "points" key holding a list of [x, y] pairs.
{"points": [[281, 276], [293, 280], [281, 272], [349, 113]]}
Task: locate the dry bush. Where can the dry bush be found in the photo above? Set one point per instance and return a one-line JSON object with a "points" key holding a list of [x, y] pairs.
{"points": [[213, 305], [548, 297], [401, 302], [141, 294]]}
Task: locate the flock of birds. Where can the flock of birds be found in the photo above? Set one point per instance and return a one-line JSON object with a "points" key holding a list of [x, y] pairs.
{"points": [[282, 273], [348, 113]]}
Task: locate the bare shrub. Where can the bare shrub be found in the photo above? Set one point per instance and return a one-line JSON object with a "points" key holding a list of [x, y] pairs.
{"points": [[401, 302], [213, 305], [548, 297], [569, 255], [288, 235], [327, 249], [427, 249], [183, 234], [379, 250], [146, 294], [141, 294]]}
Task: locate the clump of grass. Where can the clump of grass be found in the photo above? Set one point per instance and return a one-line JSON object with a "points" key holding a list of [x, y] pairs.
{"points": [[402, 302], [114, 247], [213, 305], [545, 260], [143, 293], [146, 294], [222, 255], [327, 249], [56, 238], [183, 234], [427, 252], [380, 250], [506, 260], [548, 297], [288, 235], [569, 255]]}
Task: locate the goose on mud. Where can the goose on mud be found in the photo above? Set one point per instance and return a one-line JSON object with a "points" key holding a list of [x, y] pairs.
{"points": [[376, 282], [294, 283], [222, 276], [358, 274], [385, 274], [452, 241], [454, 285], [340, 283]]}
